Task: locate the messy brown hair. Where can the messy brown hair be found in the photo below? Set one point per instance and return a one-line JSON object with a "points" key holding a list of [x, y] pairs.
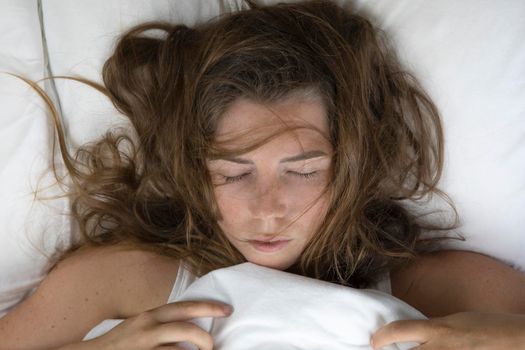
{"points": [[152, 190]]}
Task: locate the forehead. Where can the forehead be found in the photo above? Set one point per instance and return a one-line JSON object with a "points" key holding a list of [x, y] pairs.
{"points": [[244, 115]]}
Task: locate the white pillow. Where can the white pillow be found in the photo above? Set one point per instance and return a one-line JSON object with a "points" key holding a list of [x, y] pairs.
{"points": [[27, 236]]}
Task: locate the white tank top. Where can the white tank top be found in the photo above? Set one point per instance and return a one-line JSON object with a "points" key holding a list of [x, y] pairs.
{"points": [[184, 279]]}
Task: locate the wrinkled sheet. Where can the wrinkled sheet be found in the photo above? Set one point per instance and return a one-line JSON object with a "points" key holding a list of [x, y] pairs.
{"points": [[279, 310]]}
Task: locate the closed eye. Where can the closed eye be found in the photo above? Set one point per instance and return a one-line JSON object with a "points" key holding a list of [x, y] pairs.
{"points": [[230, 179], [307, 176]]}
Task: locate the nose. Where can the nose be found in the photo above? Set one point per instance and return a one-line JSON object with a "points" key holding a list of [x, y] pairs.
{"points": [[269, 202]]}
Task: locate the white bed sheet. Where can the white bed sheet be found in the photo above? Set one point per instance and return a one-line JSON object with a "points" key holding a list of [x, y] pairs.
{"points": [[280, 310]]}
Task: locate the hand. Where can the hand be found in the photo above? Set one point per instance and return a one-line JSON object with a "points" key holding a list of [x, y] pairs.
{"points": [[461, 331], [162, 327]]}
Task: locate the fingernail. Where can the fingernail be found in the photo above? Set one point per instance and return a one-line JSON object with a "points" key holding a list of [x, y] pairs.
{"points": [[227, 309]]}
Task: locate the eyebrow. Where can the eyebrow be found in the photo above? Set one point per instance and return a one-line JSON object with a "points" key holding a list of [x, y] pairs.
{"points": [[302, 156]]}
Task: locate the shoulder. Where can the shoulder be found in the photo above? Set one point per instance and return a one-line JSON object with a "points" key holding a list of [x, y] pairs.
{"points": [[130, 279], [447, 282], [90, 285]]}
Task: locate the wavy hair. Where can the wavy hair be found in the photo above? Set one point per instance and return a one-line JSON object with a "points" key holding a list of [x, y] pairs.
{"points": [[152, 190]]}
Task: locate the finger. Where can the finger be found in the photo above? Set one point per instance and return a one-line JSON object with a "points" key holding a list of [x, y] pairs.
{"points": [[185, 310], [402, 331], [174, 332], [168, 347]]}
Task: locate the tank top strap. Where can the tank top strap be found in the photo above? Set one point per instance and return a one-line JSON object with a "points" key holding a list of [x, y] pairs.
{"points": [[184, 279]]}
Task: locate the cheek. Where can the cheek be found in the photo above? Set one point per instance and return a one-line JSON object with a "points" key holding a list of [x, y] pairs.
{"points": [[229, 207], [319, 209]]}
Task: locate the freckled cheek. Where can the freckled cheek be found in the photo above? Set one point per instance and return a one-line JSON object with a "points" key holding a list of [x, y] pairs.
{"points": [[230, 208]]}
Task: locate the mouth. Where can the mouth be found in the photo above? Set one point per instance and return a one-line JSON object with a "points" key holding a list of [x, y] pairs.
{"points": [[267, 239], [269, 246]]}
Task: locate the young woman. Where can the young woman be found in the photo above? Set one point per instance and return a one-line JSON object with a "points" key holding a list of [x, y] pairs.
{"points": [[287, 136]]}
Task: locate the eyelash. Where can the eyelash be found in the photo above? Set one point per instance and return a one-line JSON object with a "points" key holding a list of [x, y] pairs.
{"points": [[307, 176]]}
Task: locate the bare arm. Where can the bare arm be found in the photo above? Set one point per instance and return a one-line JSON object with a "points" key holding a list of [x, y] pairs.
{"points": [[448, 282], [88, 287], [473, 301]]}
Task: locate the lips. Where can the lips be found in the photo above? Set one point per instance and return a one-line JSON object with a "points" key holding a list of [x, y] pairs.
{"points": [[269, 247], [266, 239]]}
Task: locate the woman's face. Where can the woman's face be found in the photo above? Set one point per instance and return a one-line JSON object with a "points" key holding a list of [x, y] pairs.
{"points": [[261, 192]]}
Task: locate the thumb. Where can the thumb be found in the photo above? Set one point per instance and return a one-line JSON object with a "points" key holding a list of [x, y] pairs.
{"points": [[401, 331]]}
